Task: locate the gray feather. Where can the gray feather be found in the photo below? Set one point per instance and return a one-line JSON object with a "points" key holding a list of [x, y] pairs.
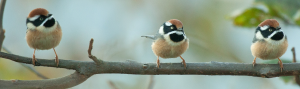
{"points": [[153, 37], [254, 39]]}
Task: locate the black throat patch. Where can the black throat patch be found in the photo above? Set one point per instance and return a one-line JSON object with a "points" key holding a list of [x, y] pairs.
{"points": [[278, 36], [176, 38]]}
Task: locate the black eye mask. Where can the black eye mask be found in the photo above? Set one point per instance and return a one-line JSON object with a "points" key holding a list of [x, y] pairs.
{"points": [[266, 33], [41, 19]]}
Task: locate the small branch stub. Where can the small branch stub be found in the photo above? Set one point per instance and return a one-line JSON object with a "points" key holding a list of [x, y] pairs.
{"points": [[294, 61], [98, 62]]}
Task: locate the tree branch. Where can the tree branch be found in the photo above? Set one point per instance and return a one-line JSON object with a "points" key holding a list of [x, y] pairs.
{"points": [[86, 69], [2, 31], [294, 61], [132, 67], [98, 62], [112, 85], [151, 82], [58, 83], [27, 66]]}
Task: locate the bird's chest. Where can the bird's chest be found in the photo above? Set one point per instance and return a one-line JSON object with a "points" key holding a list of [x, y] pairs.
{"points": [[42, 41], [266, 50], [165, 50]]}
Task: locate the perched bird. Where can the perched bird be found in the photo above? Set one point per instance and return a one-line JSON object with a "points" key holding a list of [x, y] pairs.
{"points": [[170, 41], [43, 32], [269, 41]]}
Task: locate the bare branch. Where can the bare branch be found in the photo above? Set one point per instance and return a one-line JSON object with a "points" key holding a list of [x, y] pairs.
{"points": [[91, 46], [294, 61], [58, 83], [97, 61], [132, 67], [294, 55], [112, 85], [2, 31], [27, 66], [87, 69], [151, 82]]}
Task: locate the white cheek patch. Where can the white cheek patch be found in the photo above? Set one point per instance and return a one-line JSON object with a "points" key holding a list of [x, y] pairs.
{"points": [[168, 24], [264, 27], [30, 26], [161, 30], [259, 35], [34, 17]]}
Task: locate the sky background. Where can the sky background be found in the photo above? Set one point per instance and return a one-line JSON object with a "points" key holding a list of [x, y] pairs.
{"points": [[117, 27]]}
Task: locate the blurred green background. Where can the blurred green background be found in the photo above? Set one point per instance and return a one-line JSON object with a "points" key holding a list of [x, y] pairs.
{"points": [[219, 30]]}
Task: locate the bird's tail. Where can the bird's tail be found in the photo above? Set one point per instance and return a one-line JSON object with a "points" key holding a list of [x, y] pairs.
{"points": [[149, 36]]}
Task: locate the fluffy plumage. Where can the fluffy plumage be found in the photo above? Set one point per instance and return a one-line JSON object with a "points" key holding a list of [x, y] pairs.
{"points": [[170, 41], [269, 41], [43, 32]]}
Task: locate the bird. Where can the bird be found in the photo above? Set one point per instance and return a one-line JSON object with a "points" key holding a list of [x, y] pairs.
{"points": [[170, 41], [43, 32], [269, 42]]}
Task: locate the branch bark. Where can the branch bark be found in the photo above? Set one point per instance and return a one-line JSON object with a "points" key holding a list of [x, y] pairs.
{"points": [[132, 67], [86, 69], [297, 80], [58, 83], [2, 31], [27, 66]]}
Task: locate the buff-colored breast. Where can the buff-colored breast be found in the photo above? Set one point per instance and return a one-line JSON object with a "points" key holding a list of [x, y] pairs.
{"points": [[265, 50], [164, 50], [43, 41]]}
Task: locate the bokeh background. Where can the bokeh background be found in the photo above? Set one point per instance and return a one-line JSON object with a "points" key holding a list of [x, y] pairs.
{"points": [[218, 30]]}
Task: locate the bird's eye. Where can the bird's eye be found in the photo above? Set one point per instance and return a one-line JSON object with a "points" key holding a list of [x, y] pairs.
{"points": [[41, 19], [270, 30], [171, 27]]}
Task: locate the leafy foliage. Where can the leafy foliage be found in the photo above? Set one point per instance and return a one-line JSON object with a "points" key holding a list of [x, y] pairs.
{"points": [[286, 10]]}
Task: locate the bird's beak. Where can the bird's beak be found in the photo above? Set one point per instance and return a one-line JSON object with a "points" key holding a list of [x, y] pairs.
{"points": [[278, 28]]}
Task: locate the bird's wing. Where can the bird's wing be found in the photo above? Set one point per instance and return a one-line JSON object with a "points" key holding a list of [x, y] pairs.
{"points": [[254, 39]]}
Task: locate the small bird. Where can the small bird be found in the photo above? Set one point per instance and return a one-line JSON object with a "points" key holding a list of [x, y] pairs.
{"points": [[43, 32], [269, 42], [170, 41]]}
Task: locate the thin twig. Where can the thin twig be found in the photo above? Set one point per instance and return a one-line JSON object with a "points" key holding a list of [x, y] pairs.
{"points": [[2, 31], [28, 66], [90, 46], [112, 85], [294, 61], [151, 82], [97, 61]]}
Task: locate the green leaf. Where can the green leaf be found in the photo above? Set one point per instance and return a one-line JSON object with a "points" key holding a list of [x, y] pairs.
{"points": [[251, 17], [287, 79]]}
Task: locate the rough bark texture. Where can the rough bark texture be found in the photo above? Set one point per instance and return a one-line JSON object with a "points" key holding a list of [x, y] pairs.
{"points": [[132, 67]]}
